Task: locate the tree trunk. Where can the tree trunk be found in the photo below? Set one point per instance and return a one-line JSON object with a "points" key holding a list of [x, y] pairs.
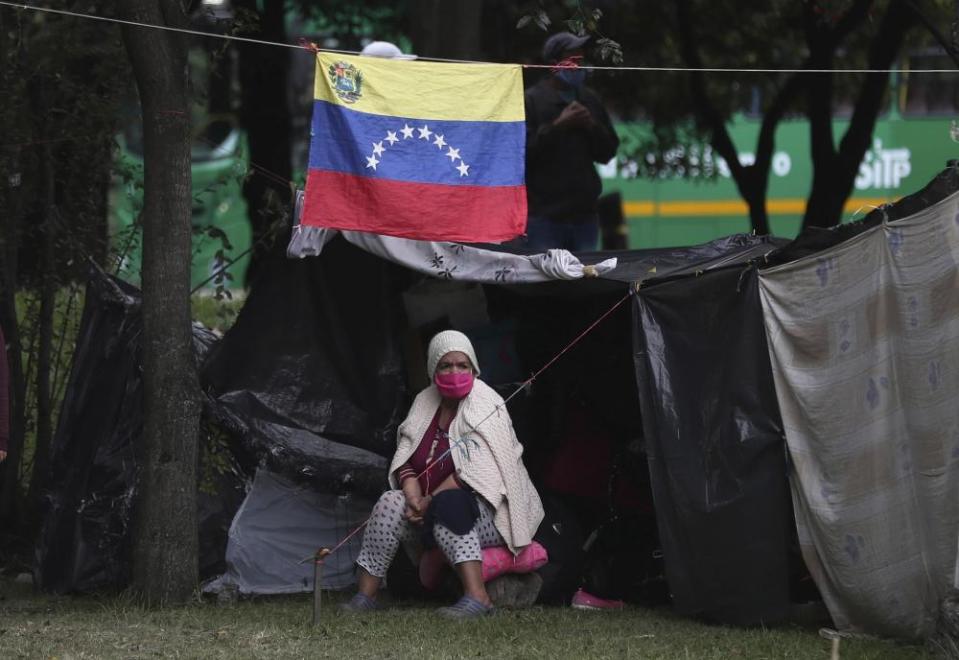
{"points": [[165, 533], [48, 293], [265, 114], [751, 181], [11, 201], [10, 501], [835, 170], [754, 191], [821, 147]]}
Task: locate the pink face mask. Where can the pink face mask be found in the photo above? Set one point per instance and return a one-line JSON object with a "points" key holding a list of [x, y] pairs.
{"points": [[454, 386]]}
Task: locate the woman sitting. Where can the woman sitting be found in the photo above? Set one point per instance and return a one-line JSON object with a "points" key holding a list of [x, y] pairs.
{"points": [[476, 495]]}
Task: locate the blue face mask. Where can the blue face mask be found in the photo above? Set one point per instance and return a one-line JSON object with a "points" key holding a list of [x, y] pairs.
{"points": [[572, 77]]}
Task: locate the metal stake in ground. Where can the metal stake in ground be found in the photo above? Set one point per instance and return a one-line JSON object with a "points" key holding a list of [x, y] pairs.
{"points": [[317, 581]]}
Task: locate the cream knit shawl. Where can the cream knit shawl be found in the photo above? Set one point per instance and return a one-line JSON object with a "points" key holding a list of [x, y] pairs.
{"points": [[493, 465]]}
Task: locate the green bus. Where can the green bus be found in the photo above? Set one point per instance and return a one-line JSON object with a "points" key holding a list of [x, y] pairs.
{"points": [[221, 231]]}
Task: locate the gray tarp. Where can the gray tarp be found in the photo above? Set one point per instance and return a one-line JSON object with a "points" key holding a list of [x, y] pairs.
{"points": [[280, 524], [864, 344]]}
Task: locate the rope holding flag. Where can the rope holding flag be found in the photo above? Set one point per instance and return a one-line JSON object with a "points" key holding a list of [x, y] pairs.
{"points": [[423, 150]]}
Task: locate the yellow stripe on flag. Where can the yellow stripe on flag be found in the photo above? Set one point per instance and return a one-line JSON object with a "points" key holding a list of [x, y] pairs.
{"points": [[421, 90]]}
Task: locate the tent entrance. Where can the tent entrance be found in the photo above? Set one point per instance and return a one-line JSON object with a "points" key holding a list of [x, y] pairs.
{"points": [[579, 421]]}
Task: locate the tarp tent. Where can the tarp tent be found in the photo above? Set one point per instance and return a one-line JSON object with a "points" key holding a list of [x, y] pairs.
{"points": [[714, 441], [700, 375], [340, 355], [864, 344], [315, 375]]}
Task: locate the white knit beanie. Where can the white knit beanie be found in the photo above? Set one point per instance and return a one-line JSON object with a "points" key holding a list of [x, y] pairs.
{"points": [[445, 342]]}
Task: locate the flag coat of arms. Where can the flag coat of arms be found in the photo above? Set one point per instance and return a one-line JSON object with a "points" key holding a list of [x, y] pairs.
{"points": [[421, 150]]}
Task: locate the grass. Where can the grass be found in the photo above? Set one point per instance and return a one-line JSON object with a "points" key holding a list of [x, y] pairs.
{"points": [[37, 626]]}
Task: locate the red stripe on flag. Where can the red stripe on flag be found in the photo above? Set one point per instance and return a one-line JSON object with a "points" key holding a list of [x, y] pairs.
{"points": [[421, 211]]}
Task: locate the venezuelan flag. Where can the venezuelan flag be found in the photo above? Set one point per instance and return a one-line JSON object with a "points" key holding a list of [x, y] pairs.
{"points": [[422, 150]]}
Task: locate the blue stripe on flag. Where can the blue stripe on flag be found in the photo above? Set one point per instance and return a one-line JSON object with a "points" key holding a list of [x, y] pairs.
{"points": [[417, 150]]}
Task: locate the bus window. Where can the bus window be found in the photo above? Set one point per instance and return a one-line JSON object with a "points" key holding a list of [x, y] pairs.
{"points": [[930, 94]]}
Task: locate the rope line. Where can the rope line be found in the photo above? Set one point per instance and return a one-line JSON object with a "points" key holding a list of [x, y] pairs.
{"points": [[526, 383], [313, 48]]}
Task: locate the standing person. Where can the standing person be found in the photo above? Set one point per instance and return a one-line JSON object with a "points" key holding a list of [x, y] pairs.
{"points": [[476, 496], [567, 132], [4, 398]]}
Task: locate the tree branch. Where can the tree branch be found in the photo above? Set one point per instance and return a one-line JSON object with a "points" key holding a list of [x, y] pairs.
{"points": [[772, 117], [896, 22], [835, 170], [705, 108], [819, 92], [951, 48]]}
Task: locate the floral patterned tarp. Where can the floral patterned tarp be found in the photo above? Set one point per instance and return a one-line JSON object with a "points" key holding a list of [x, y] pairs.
{"points": [[864, 345]]}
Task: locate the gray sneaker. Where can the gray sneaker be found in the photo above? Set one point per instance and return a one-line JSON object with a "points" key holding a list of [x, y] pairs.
{"points": [[359, 603], [466, 607]]}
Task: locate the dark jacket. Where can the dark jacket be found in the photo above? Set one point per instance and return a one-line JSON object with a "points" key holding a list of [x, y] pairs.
{"points": [[4, 395], [561, 179]]}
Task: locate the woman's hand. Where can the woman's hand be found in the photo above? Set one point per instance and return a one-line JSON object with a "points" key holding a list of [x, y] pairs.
{"points": [[416, 506]]}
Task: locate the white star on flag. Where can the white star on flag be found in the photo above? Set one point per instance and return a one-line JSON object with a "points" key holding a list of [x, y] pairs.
{"points": [[424, 134]]}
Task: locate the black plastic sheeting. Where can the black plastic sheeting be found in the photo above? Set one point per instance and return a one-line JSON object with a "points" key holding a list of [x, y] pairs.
{"points": [[312, 375], [83, 543], [89, 495], [715, 446], [642, 265], [307, 382]]}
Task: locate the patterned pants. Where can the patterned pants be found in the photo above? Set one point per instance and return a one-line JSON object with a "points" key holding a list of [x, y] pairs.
{"points": [[387, 529]]}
